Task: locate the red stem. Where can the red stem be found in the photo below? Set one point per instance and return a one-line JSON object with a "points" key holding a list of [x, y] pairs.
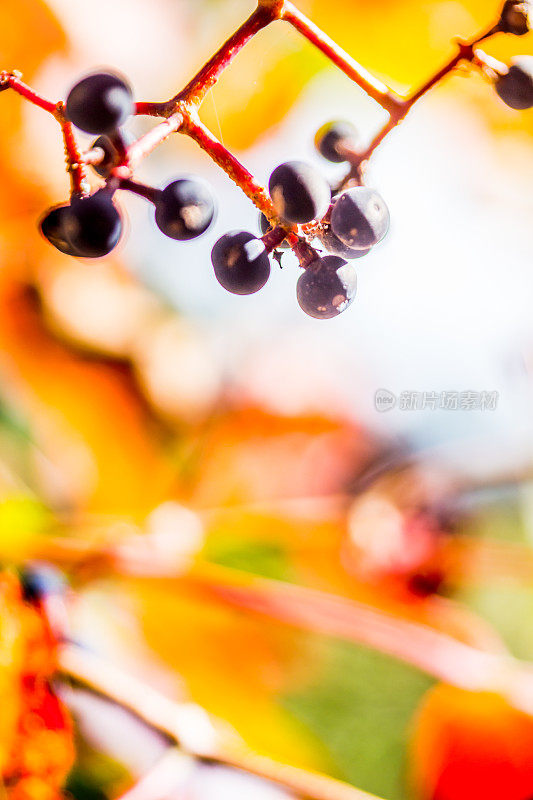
{"points": [[231, 165], [13, 80], [274, 238], [357, 73], [181, 114], [304, 252], [75, 163], [200, 84], [151, 109], [465, 53], [143, 146]]}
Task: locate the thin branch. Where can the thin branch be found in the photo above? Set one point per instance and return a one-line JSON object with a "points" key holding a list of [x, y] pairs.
{"points": [[151, 109], [197, 88], [180, 111], [13, 80], [373, 87], [231, 165], [144, 146], [203, 740], [465, 52], [75, 164], [429, 650]]}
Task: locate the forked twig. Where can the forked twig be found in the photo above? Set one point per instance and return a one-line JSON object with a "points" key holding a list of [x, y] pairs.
{"points": [[180, 112]]}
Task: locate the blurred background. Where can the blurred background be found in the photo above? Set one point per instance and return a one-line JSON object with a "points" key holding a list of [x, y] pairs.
{"points": [[137, 397]]}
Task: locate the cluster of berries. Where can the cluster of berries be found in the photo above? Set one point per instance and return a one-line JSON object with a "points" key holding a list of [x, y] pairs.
{"points": [[346, 223], [90, 227], [350, 223]]}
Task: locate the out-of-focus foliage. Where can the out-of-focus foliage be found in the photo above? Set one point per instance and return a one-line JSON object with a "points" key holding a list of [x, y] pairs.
{"points": [[92, 437], [472, 745], [36, 744]]}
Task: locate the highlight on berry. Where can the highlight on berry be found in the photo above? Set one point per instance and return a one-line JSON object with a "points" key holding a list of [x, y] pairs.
{"points": [[185, 209], [299, 192], [327, 287], [335, 140], [241, 262], [99, 103], [326, 223]]}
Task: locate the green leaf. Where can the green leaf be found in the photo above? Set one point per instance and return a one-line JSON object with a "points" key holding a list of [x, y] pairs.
{"points": [[360, 710]]}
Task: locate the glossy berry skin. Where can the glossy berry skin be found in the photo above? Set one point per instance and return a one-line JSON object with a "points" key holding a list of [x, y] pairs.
{"points": [[331, 135], [241, 262], [516, 17], [299, 192], [360, 218], [516, 87], [92, 225], [51, 226], [185, 209], [265, 227], [334, 246], [111, 157], [327, 287], [99, 103]]}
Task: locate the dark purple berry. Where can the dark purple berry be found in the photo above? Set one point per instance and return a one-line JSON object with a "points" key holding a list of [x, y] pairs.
{"points": [[327, 287], [241, 262], [360, 218], [99, 103], [332, 136], [515, 88], [185, 209], [265, 227], [92, 225], [52, 228], [111, 154], [516, 17], [299, 193], [334, 246]]}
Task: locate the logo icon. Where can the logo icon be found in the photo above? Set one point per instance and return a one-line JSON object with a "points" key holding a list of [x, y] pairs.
{"points": [[384, 400]]}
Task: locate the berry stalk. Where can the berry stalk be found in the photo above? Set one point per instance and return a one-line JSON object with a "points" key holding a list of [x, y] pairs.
{"points": [[13, 81], [140, 189]]}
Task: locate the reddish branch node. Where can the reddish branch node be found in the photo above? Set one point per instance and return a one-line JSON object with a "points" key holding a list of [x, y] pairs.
{"points": [[180, 114]]}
